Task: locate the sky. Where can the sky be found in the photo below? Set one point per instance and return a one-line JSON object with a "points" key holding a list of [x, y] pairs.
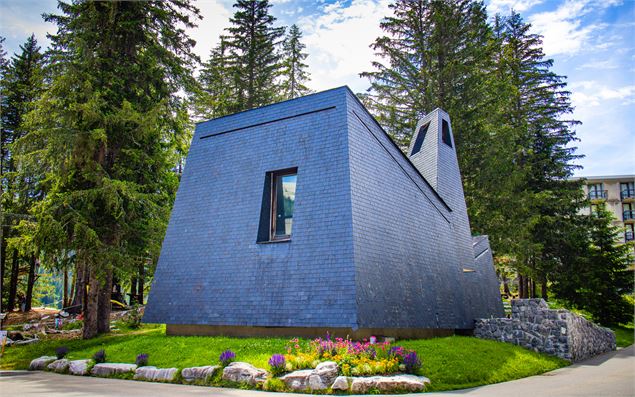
{"points": [[592, 42]]}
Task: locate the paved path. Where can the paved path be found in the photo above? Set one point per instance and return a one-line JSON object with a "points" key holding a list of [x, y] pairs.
{"points": [[611, 374]]}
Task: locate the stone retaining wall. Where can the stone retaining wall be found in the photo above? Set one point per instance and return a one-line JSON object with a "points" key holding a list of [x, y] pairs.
{"points": [[557, 332]]}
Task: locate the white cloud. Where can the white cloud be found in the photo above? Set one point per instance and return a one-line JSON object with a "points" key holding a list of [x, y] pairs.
{"points": [[505, 6], [338, 42], [563, 29], [215, 20], [601, 65], [589, 94], [16, 24]]}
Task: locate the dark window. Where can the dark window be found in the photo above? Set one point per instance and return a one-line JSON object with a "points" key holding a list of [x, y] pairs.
{"points": [[627, 190], [420, 137], [283, 199], [445, 131], [276, 211]]}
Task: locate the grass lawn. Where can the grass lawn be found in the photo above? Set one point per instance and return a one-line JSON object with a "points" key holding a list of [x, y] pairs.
{"points": [[451, 363], [624, 334]]}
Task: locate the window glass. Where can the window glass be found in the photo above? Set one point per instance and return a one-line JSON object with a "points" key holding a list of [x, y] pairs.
{"points": [[420, 137], [445, 133], [284, 199]]}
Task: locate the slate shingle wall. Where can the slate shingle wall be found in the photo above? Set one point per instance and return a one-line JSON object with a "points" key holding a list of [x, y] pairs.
{"points": [[407, 269], [211, 271], [373, 244]]}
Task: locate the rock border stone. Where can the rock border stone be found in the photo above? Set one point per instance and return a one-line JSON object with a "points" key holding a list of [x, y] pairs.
{"points": [[154, 374], [321, 378], [41, 363], [109, 369], [199, 374]]}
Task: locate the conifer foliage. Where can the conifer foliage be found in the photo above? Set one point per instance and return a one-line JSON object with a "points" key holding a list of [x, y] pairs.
{"points": [[294, 74], [253, 43], [598, 278], [253, 65], [104, 135], [23, 83], [510, 116]]}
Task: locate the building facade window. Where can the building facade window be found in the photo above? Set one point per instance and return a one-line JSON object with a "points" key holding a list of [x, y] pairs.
{"points": [[596, 191], [627, 212], [629, 234], [283, 185], [627, 190]]}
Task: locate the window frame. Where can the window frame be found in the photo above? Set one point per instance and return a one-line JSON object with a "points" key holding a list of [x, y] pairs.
{"points": [[274, 201]]}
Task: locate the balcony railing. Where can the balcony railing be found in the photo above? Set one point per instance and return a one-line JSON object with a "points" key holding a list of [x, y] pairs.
{"points": [[628, 215], [629, 235], [598, 194], [627, 194]]}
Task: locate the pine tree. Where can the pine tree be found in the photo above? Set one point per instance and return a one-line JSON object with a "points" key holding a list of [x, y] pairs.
{"points": [[3, 250], [294, 74], [23, 85], [253, 44], [216, 96], [599, 278], [433, 57], [443, 53], [104, 133], [537, 106]]}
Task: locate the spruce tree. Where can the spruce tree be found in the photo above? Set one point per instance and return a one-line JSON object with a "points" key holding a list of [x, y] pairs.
{"points": [[442, 54], [293, 73], [216, 95], [23, 85], [599, 278], [105, 134], [253, 43], [537, 108]]}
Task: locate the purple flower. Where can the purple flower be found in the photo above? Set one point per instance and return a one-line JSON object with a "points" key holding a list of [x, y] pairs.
{"points": [[226, 357], [412, 362], [61, 352], [396, 351], [142, 360], [100, 356], [277, 364]]}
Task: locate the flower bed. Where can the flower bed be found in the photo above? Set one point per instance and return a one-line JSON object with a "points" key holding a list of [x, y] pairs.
{"points": [[363, 358], [319, 365]]}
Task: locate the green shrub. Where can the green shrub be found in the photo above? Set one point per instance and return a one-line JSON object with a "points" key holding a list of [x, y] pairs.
{"points": [[275, 384]]}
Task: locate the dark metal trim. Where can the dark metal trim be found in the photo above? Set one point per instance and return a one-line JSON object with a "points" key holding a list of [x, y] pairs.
{"points": [[268, 122]]}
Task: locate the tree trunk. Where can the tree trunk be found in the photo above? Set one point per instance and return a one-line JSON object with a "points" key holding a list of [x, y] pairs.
{"points": [[532, 287], [133, 290], [30, 283], [65, 287], [521, 286], [543, 285], [71, 294], [506, 287], [103, 304], [140, 284], [90, 305], [13, 283], [79, 286]]}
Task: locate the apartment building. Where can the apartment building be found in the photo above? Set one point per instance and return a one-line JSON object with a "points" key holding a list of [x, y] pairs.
{"points": [[618, 192]]}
